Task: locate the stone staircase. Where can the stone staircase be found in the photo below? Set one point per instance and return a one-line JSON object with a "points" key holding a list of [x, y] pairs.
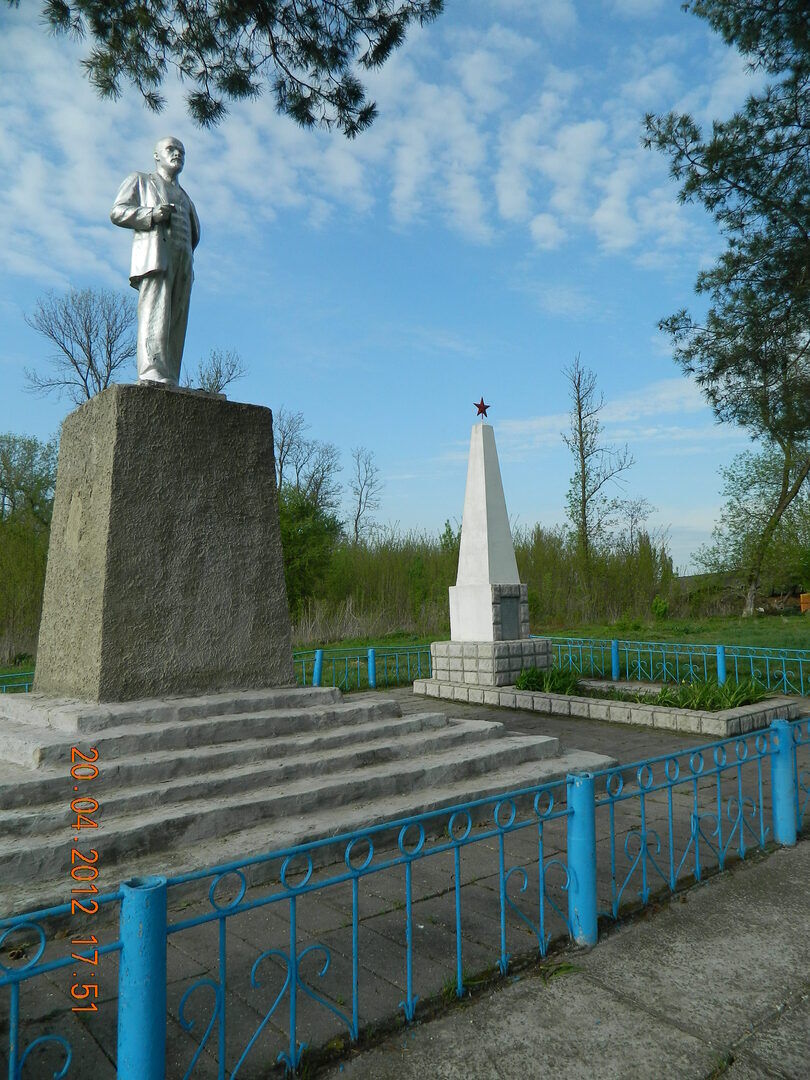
{"points": [[194, 782]]}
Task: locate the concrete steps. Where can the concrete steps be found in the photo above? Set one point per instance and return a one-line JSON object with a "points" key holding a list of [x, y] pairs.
{"points": [[224, 780], [203, 786], [25, 744], [161, 766]]}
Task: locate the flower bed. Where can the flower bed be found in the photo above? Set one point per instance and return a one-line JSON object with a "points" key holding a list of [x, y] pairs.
{"points": [[722, 724]]}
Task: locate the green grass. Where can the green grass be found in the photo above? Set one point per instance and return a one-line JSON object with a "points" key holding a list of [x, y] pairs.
{"points": [[707, 695], [550, 681], [763, 631], [361, 644], [13, 669]]}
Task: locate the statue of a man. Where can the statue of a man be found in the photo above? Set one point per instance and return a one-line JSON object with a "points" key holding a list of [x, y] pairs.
{"points": [[167, 230]]}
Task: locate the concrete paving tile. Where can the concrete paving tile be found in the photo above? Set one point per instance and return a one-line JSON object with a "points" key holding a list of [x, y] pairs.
{"points": [[525, 1030], [431, 875], [88, 1057], [748, 1067], [480, 919], [179, 965], [382, 951], [704, 976], [180, 1048], [377, 998], [480, 913], [476, 927], [46, 1007], [781, 1043], [242, 1020]]}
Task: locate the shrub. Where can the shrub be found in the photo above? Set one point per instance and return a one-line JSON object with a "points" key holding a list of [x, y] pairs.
{"points": [[660, 607]]}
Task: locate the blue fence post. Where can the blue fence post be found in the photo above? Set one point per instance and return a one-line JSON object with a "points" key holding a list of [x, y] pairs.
{"points": [[614, 661], [582, 915], [142, 980], [783, 783], [372, 669], [721, 664], [317, 671]]}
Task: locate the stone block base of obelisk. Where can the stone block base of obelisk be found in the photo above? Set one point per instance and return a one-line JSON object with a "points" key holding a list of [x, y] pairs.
{"points": [[491, 643], [165, 573]]}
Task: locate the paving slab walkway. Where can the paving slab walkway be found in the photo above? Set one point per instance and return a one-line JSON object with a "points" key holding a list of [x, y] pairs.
{"points": [[716, 983], [620, 1006]]}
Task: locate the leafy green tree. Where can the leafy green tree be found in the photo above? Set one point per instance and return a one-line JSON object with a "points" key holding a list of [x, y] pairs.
{"points": [[751, 354], [309, 536], [306, 50], [450, 539], [764, 526], [27, 478]]}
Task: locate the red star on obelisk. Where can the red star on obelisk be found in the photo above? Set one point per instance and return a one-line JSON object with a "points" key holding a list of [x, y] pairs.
{"points": [[482, 408]]}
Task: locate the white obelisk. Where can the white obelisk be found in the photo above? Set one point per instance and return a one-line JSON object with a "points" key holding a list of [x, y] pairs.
{"points": [[489, 642], [487, 554]]}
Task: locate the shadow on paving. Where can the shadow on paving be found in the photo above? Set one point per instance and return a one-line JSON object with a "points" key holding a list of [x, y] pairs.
{"points": [[498, 916]]}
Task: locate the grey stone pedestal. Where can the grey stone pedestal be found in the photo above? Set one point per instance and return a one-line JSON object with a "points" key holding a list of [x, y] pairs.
{"points": [[165, 571], [487, 663]]}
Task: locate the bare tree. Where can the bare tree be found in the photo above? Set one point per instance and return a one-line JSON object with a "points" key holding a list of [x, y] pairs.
{"points": [[590, 510], [634, 512], [218, 370], [318, 477], [288, 435], [365, 485], [93, 334], [307, 465]]}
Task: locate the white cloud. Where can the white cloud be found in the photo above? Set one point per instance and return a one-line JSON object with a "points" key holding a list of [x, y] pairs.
{"points": [[650, 88], [627, 418], [518, 147], [636, 8], [546, 232], [725, 91], [556, 17], [613, 221], [534, 432], [569, 163], [661, 398], [565, 300], [520, 151], [465, 136], [482, 74]]}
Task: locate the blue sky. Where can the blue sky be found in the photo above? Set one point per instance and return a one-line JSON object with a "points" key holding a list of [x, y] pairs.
{"points": [[499, 217]]}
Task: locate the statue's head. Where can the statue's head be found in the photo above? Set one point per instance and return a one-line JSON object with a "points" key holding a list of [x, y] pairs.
{"points": [[171, 154]]}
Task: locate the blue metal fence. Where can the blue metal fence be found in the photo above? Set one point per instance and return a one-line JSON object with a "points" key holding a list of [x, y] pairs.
{"points": [[348, 669], [18, 681], [786, 671], [379, 665], [664, 819]]}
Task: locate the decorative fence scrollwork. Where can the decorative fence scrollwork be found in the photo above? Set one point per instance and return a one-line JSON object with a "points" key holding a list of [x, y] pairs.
{"points": [[644, 827]]}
